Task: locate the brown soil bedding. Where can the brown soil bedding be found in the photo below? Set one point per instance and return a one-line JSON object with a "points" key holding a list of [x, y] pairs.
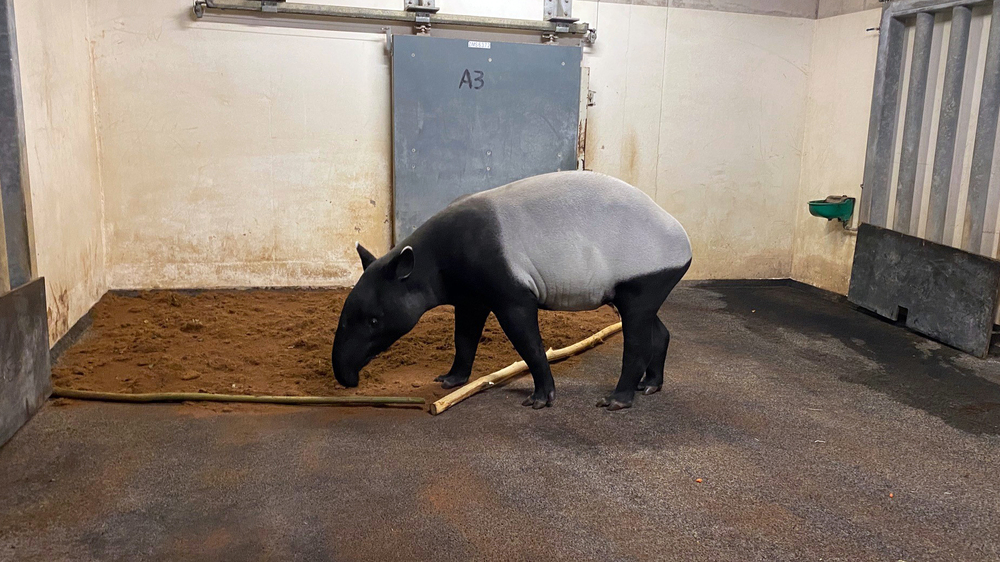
{"points": [[273, 342]]}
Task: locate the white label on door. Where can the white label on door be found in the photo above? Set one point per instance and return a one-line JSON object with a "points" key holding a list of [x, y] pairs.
{"points": [[479, 44]]}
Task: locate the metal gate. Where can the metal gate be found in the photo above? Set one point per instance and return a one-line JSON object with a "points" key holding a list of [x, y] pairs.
{"points": [[15, 241], [922, 181], [25, 374], [473, 115]]}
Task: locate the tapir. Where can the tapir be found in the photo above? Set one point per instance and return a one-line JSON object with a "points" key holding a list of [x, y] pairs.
{"points": [[559, 241]]}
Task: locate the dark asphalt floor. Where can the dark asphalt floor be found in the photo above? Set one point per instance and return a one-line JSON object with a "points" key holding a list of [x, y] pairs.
{"points": [[818, 432]]}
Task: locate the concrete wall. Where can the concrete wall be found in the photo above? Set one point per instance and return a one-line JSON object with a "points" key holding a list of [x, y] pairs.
{"points": [[63, 165], [836, 132], [705, 110], [731, 134], [239, 152]]}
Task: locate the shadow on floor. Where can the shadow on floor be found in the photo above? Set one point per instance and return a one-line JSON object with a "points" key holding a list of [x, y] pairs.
{"points": [[912, 369]]}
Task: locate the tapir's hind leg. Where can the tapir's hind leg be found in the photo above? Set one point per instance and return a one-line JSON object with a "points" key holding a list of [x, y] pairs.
{"points": [[520, 323], [469, 321], [637, 327], [652, 381], [638, 301]]}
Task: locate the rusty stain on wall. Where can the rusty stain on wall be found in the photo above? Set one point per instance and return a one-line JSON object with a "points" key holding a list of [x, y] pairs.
{"points": [[629, 156], [58, 311]]}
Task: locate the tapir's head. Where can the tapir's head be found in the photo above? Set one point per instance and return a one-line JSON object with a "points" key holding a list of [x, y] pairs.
{"points": [[384, 305]]}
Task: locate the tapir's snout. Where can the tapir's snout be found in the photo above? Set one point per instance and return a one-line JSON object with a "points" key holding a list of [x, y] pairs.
{"points": [[348, 379], [345, 370]]}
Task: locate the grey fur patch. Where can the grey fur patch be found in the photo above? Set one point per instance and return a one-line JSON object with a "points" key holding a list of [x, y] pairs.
{"points": [[571, 237]]}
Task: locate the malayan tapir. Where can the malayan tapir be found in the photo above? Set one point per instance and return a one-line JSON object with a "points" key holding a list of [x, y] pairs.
{"points": [[559, 241]]}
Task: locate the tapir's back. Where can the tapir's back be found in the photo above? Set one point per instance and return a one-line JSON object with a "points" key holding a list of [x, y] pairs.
{"points": [[571, 237]]}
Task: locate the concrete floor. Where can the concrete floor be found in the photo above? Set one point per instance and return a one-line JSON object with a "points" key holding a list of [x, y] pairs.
{"points": [[800, 414]]}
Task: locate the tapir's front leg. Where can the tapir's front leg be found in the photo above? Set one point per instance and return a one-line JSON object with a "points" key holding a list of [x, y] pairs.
{"points": [[520, 323], [469, 321]]}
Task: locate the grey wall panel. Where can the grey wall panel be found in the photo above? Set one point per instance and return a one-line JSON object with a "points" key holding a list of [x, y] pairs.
{"points": [[951, 100], [882, 123], [986, 135], [470, 116], [25, 375], [13, 166], [912, 123], [950, 295]]}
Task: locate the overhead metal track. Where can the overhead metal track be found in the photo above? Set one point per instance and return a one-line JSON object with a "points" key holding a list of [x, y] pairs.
{"points": [[547, 28]]}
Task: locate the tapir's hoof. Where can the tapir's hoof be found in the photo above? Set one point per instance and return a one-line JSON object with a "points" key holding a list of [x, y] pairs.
{"points": [[440, 378], [451, 381], [539, 402], [613, 404], [649, 386]]}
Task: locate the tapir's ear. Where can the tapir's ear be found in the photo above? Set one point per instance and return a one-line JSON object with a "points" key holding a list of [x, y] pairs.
{"points": [[366, 257], [403, 263]]}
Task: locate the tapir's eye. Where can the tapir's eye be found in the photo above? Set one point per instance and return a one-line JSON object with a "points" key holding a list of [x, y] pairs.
{"points": [[373, 322]]}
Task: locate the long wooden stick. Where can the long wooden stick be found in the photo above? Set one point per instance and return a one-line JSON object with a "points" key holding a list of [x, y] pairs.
{"points": [[205, 397], [514, 369]]}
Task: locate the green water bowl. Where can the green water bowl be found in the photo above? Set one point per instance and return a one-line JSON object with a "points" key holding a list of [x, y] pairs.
{"points": [[839, 207]]}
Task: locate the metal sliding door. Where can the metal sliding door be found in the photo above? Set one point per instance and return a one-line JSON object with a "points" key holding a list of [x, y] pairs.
{"points": [[473, 115]]}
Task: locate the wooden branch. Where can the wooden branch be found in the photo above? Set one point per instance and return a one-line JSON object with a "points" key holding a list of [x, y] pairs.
{"points": [[515, 369], [204, 397]]}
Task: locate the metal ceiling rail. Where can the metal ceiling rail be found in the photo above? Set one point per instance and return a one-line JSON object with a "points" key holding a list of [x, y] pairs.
{"points": [[415, 18]]}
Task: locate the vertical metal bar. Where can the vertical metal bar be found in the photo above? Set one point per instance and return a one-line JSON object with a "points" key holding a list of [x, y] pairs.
{"points": [[912, 123], [4, 270], [986, 135], [13, 169], [951, 99], [882, 123]]}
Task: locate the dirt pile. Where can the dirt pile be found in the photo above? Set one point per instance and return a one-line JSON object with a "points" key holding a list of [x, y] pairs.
{"points": [[272, 342]]}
